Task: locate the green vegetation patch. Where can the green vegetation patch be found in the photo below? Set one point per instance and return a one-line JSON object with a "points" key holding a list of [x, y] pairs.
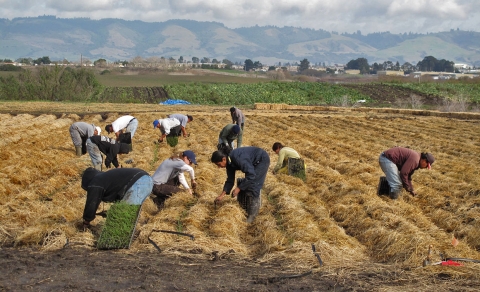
{"points": [[119, 226], [172, 141]]}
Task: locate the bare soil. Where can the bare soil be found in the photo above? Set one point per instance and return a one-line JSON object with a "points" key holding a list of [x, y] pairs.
{"points": [[74, 269]]}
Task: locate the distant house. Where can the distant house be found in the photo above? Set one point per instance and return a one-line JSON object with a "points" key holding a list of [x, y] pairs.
{"points": [[390, 73]]}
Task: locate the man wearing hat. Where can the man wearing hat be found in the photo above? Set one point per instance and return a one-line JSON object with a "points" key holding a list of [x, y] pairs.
{"points": [[167, 126], [169, 176], [183, 119], [399, 164], [80, 132], [226, 137], [131, 185], [129, 123]]}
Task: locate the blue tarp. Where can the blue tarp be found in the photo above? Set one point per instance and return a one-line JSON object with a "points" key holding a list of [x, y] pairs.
{"points": [[174, 101]]}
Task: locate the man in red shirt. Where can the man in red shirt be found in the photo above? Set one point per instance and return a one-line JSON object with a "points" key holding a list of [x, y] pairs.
{"points": [[399, 164]]}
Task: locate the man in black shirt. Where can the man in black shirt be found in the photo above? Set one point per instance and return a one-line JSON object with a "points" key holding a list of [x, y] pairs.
{"points": [[131, 185]]}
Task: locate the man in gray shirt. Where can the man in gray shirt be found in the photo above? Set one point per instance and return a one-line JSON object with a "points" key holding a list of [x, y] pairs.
{"points": [[80, 132], [183, 119]]}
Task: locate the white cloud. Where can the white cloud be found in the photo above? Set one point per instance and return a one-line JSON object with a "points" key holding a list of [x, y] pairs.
{"points": [[396, 16]]}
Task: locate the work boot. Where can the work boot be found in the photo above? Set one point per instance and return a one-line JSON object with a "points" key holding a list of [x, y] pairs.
{"points": [[383, 186], [78, 150], [253, 207], [394, 195]]}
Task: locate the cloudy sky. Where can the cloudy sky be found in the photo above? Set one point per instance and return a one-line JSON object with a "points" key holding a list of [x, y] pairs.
{"points": [[396, 16]]}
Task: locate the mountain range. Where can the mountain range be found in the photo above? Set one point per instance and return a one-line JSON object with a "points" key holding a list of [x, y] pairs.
{"points": [[118, 40]]}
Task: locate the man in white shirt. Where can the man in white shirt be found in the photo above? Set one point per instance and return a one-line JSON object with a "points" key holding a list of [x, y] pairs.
{"points": [[129, 123], [167, 126]]}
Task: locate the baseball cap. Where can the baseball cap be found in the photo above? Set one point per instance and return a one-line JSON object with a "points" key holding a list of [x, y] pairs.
{"points": [[155, 123], [430, 159], [190, 155]]}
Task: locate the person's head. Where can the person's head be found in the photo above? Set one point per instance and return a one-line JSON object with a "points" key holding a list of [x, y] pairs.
{"points": [[236, 130], [190, 118], [124, 148], [156, 124], [189, 157], [97, 131], [232, 109], [219, 159], [88, 176], [277, 146], [109, 128], [426, 160]]}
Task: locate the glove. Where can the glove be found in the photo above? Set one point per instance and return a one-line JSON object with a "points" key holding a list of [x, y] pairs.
{"points": [[194, 185], [108, 164]]}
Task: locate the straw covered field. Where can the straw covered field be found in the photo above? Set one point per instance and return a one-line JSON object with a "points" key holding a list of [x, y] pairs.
{"points": [[366, 242]]}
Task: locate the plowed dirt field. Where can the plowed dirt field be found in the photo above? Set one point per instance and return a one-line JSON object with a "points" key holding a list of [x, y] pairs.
{"points": [[366, 242]]}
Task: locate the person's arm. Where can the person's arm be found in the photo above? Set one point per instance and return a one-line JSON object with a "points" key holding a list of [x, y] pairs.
{"points": [[406, 175], [281, 158], [94, 197], [184, 132]]}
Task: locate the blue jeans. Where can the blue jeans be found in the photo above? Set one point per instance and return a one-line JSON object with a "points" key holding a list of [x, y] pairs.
{"points": [[392, 174], [139, 191], [132, 127], [95, 154]]}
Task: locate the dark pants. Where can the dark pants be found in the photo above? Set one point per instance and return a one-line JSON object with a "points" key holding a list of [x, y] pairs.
{"points": [[261, 170], [164, 191]]}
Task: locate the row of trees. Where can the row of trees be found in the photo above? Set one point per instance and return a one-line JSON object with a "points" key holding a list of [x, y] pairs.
{"points": [[429, 63]]}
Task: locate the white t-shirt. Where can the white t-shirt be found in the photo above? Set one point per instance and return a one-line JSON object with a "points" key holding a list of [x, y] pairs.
{"points": [[121, 123]]}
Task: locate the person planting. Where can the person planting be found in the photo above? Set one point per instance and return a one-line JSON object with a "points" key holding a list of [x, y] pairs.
{"points": [[184, 120], [226, 137], [238, 118], [169, 175], [80, 132], [284, 153], [131, 185], [399, 164], [254, 163]]}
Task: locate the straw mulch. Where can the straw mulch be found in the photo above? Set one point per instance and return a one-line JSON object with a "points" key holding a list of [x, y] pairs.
{"points": [[336, 209]]}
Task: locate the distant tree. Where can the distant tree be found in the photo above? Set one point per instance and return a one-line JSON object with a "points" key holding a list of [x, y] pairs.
{"points": [[180, 60], [7, 61], [195, 60], [42, 61], [304, 65], [248, 65], [359, 64], [26, 61], [100, 63], [257, 65], [228, 63], [430, 63], [205, 60], [397, 66], [215, 61], [272, 68]]}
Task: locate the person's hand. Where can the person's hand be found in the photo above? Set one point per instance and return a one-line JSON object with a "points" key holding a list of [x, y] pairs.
{"points": [[219, 198], [108, 165], [194, 184], [190, 192], [235, 192], [413, 193], [160, 140], [185, 135]]}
